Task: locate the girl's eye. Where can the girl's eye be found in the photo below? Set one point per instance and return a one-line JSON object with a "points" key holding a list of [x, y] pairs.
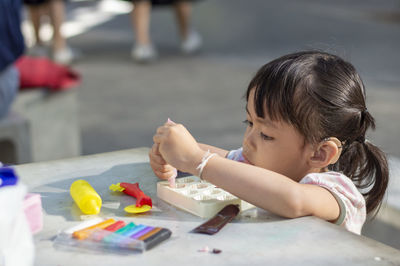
{"points": [[265, 137], [248, 123]]}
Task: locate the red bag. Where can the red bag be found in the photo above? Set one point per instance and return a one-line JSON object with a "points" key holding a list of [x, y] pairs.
{"points": [[39, 72]]}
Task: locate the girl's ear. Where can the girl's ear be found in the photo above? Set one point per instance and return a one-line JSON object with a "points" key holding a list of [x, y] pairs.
{"points": [[327, 152]]}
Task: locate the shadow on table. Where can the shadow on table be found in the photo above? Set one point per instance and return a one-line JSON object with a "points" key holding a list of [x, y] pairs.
{"points": [[56, 199]]}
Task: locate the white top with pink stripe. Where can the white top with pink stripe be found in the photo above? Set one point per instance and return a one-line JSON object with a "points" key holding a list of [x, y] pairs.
{"points": [[352, 204]]}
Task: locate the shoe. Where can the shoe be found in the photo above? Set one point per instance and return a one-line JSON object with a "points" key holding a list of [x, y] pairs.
{"points": [[65, 56], [38, 50], [144, 53], [192, 43]]}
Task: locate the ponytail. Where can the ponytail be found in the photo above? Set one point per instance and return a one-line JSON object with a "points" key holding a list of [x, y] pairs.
{"points": [[367, 166], [376, 166]]}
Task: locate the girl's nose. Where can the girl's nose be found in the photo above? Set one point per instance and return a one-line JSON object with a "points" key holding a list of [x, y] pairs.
{"points": [[249, 140]]}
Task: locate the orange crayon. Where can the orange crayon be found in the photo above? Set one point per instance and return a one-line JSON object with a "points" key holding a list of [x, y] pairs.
{"points": [[85, 233]]}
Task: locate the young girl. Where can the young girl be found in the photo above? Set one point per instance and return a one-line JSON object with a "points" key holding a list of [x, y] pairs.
{"points": [[304, 151]]}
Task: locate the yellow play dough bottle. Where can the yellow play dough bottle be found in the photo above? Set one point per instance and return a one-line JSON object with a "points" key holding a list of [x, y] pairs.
{"points": [[85, 197]]}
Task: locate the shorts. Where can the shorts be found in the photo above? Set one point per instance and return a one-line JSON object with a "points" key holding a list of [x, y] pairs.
{"points": [[163, 2], [36, 2]]}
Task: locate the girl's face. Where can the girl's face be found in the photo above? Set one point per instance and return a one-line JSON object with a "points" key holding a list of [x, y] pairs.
{"points": [[276, 146]]}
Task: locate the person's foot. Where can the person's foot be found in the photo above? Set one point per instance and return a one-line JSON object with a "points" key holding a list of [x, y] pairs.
{"points": [[192, 43], [64, 56], [143, 53]]}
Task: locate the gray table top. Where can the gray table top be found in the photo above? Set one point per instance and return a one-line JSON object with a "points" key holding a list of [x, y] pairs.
{"points": [[255, 237]]}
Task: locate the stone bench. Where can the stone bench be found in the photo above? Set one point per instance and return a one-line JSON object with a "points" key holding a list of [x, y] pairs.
{"points": [[41, 126], [15, 145]]}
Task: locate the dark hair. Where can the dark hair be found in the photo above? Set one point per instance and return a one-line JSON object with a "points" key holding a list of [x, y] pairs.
{"points": [[322, 95]]}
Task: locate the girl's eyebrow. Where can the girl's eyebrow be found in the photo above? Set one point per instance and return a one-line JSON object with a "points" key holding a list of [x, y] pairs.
{"points": [[264, 121]]}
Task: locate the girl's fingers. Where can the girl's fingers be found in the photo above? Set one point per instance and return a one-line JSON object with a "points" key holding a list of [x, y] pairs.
{"points": [[155, 149], [164, 128], [163, 131], [163, 175], [163, 172], [157, 138], [157, 159], [159, 130], [161, 167]]}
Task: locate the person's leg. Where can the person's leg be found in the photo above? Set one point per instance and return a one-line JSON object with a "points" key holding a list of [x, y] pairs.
{"points": [[35, 14], [57, 16], [191, 40], [183, 11], [62, 54], [141, 22], [143, 50]]}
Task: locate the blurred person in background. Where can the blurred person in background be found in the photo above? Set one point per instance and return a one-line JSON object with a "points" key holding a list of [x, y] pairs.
{"points": [[55, 9], [11, 48], [144, 50]]}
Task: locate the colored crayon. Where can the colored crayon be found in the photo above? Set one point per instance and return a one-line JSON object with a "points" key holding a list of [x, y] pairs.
{"points": [[156, 238], [115, 226], [127, 237], [152, 232], [85, 233], [99, 235], [120, 233], [83, 225], [143, 232], [125, 229], [137, 229]]}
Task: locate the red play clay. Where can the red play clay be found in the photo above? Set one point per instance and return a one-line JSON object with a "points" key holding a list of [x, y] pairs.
{"points": [[134, 191]]}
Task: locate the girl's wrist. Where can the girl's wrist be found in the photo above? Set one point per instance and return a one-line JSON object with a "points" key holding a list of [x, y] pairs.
{"points": [[204, 161], [200, 162], [197, 159]]}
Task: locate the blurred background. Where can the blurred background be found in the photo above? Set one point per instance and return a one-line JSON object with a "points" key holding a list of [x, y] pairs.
{"points": [[120, 102]]}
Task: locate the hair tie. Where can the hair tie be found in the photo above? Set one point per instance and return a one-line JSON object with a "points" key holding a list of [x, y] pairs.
{"points": [[361, 139], [363, 114]]}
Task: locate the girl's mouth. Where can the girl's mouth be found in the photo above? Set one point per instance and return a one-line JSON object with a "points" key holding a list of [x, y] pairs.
{"points": [[245, 159]]}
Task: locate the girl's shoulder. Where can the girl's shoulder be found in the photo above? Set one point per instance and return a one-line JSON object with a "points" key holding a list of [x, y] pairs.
{"points": [[350, 199], [334, 181], [326, 176]]}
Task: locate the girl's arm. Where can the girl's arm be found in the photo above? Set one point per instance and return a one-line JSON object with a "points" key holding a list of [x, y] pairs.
{"points": [[266, 189], [271, 191], [213, 149]]}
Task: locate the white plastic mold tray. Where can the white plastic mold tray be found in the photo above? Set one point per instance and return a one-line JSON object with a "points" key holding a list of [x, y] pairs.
{"points": [[198, 197]]}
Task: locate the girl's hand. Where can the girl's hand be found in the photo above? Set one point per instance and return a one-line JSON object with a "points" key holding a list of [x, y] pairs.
{"points": [[160, 167], [178, 147]]}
